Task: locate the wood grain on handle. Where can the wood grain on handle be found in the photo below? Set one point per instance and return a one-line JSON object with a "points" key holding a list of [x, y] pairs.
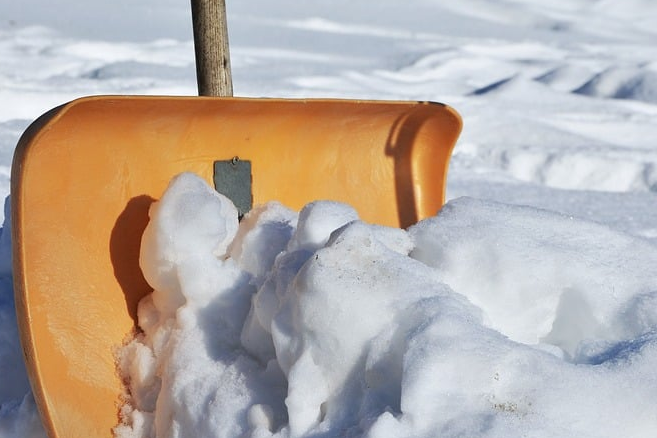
{"points": [[211, 46]]}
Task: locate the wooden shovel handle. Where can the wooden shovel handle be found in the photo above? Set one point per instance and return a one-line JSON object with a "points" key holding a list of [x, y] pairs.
{"points": [[211, 46]]}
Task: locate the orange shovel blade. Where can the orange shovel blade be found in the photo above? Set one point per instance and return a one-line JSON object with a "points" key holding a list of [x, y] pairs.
{"points": [[85, 173]]}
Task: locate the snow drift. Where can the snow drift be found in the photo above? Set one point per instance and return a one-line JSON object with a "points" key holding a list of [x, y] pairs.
{"points": [[487, 320]]}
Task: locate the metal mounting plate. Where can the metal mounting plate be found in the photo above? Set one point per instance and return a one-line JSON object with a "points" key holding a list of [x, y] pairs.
{"points": [[232, 178]]}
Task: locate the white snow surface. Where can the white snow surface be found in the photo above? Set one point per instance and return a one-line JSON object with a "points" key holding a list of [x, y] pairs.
{"points": [[487, 320], [526, 307]]}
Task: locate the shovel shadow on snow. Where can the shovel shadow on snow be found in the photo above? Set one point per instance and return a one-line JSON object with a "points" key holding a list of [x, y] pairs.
{"points": [[125, 244]]}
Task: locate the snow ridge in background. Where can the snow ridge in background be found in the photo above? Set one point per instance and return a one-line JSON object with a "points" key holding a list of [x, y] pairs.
{"points": [[322, 325]]}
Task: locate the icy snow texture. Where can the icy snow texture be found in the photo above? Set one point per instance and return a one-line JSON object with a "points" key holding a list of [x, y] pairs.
{"points": [[543, 277], [488, 320]]}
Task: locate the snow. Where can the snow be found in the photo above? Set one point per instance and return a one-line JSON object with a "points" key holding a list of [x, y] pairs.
{"points": [[322, 325], [527, 307]]}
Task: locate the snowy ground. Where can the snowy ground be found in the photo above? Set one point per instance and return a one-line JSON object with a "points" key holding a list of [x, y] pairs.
{"points": [[558, 99]]}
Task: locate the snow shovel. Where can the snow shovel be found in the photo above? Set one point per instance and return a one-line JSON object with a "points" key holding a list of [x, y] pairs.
{"points": [[85, 173]]}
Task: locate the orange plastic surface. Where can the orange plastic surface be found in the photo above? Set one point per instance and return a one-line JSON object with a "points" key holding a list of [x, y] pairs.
{"points": [[85, 173]]}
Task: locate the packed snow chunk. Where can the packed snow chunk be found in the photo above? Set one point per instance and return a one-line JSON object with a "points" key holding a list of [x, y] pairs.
{"points": [[264, 233], [186, 371], [462, 379], [541, 277], [340, 333], [317, 221], [189, 223]]}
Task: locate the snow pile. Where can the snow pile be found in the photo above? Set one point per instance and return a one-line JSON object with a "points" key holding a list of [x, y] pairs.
{"points": [[487, 320], [541, 277]]}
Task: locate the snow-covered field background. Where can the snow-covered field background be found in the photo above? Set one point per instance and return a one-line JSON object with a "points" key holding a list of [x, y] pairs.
{"points": [[559, 101]]}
